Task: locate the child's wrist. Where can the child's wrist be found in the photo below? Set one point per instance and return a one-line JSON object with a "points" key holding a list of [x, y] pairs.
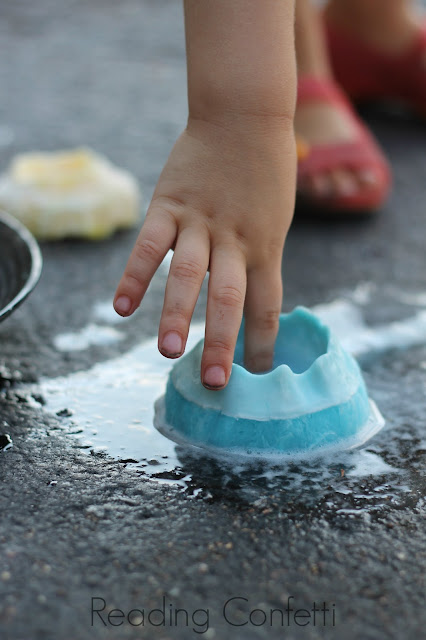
{"points": [[234, 117]]}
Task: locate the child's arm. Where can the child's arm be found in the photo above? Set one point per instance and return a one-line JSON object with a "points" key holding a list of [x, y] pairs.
{"points": [[224, 200]]}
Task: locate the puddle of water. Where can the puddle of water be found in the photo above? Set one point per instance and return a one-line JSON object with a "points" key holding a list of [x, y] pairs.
{"points": [[111, 406], [109, 409]]}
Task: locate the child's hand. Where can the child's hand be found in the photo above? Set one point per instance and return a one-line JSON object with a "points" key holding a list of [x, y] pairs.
{"points": [[224, 202], [225, 198]]}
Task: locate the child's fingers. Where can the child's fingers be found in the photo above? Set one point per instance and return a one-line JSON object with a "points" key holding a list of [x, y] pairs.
{"points": [[155, 239], [262, 310], [227, 288], [187, 270]]}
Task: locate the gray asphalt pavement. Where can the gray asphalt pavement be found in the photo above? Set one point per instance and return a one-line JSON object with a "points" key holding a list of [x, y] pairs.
{"points": [[82, 532]]}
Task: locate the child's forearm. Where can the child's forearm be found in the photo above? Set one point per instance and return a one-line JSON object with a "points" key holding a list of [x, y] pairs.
{"points": [[240, 57]]}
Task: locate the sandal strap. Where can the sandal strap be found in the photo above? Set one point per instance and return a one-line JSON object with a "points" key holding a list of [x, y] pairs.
{"points": [[310, 88]]}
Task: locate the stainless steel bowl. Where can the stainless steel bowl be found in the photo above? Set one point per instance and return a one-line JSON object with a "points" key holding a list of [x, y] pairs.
{"points": [[20, 264]]}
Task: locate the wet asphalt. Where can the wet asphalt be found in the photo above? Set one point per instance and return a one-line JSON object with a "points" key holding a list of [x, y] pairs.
{"points": [[80, 531]]}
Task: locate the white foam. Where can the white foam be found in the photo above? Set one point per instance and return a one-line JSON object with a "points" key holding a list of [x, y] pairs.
{"points": [[412, 298], [367, 463], [346, 321], [90, 335], [105, 312], [363, 292]]}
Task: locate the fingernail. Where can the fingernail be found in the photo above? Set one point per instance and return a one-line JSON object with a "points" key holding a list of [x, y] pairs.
{"points": [[172, 344], [122, 305], [214, 377]]}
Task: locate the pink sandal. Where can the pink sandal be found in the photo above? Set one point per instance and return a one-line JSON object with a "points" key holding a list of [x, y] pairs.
{"points": [[363, 153], [367, 74]]}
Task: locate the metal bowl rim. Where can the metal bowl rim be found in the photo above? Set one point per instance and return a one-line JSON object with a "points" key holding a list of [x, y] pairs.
{"points": [[35, 257]]}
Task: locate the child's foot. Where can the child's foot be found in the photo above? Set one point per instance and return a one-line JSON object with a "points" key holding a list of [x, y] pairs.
{"points": [[322, 123], [345, 169]]}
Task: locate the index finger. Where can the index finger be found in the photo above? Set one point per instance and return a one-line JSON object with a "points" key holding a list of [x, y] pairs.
{"points": [[156, 237]]}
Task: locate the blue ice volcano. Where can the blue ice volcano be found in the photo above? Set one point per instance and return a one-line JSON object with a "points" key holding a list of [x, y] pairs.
{"points": [[314, 397]]}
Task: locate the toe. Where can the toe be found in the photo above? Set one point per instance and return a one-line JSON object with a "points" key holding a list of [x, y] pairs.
{"points": [[321, 185], [344, 182], [367, 178]]}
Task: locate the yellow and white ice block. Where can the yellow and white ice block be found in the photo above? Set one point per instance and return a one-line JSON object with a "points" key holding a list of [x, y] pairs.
{"points": [[72, 193]]}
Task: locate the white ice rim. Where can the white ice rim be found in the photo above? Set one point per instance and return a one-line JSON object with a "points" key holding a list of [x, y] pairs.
{"points": [[375, 422]]}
